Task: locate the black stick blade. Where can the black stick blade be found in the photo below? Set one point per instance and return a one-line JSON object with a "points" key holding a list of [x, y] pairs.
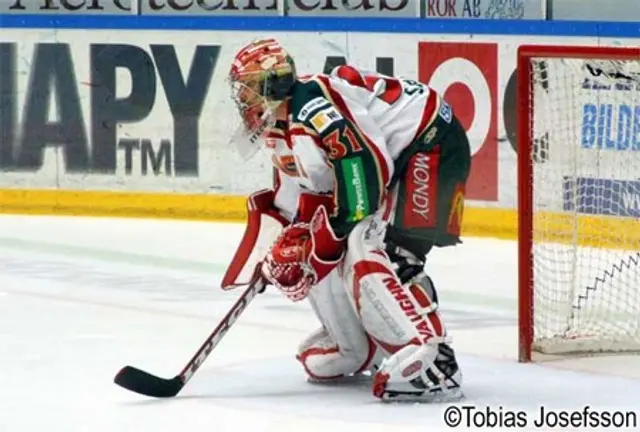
{"points": [[144, 383]]}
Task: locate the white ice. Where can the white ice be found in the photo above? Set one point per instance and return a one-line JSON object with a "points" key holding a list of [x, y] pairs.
{"points": [[82, 297]]}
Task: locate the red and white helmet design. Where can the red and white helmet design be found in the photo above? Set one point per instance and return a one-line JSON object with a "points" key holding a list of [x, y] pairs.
{"points": [[261, 77]]}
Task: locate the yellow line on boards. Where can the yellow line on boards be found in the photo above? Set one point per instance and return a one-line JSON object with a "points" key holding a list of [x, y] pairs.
{"points": [[123, 204], [595, 231]]}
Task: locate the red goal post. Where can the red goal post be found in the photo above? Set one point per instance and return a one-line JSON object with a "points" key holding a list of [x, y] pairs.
{"points": [[578, 179]]}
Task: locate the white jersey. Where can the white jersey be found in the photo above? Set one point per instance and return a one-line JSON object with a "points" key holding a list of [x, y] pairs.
{"points": [[400, 108], [344, 133]]}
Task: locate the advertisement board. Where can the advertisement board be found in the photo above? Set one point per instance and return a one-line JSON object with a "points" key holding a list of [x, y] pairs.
{"points": [[486, 9], [82, 110], [143, 111], [465, 9], [607, 197], [92, 7], [611, 116], [586, 124], [210, 7], [354, 8], [595, 10]]}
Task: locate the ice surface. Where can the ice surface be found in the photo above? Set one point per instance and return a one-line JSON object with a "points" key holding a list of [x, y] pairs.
{"points": [[80, 298]]}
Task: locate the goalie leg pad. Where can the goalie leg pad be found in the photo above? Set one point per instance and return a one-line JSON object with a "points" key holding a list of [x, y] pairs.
{"points": [[402, 318], [340, 347], [428, 373], [392, 313]]}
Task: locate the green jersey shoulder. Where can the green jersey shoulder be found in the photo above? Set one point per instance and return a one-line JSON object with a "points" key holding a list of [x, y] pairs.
{"points": [[311, 108]]}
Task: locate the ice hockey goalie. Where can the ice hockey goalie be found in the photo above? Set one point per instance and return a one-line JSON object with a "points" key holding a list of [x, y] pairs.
{"points": [[371, 177]]}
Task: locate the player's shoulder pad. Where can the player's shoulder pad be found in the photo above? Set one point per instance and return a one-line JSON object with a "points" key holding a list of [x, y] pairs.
{"points": [[311, 108]]}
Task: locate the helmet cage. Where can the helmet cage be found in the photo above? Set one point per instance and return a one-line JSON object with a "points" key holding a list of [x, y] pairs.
{"points": [[257, 91]]}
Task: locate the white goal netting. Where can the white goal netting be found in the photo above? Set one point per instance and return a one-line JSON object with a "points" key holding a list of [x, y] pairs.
{"points": [[585, 131]]}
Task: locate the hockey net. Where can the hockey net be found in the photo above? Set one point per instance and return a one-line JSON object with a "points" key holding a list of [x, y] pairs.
{"points": [[579, 200]]}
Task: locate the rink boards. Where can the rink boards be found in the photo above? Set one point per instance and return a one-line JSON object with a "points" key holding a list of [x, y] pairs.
{"points": [[594, 231], [114, 117]]}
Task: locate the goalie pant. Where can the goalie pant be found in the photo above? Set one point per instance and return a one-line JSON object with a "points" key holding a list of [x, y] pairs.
{"points": [[379, 310]]}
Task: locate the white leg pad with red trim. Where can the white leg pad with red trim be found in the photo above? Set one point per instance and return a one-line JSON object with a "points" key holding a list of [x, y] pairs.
{"points": [[426, 372], [401, 318], [340, 347], [393, 314]]}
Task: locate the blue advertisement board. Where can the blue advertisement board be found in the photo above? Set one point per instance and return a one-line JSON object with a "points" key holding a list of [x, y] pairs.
{"points": [[608, 124], [605, 197]]}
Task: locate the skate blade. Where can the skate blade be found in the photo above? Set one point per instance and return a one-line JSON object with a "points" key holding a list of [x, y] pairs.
{"points": [[452, 395]]}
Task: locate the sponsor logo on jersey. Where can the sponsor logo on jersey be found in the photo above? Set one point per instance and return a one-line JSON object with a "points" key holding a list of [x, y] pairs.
{"points": [[357, 197], [421, 182], [445, 112], [454, 223], [323, 119], [311, 106], [431, 134]]}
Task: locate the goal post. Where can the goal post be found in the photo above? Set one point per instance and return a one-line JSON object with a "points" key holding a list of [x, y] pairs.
{"points": [[578, 200]]}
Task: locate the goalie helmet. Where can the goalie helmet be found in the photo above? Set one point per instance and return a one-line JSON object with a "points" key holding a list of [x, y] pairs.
{"points": [[261, 78]]}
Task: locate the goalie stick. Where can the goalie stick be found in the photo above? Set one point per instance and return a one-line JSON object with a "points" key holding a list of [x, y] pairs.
{"points": [[141, 382]]}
